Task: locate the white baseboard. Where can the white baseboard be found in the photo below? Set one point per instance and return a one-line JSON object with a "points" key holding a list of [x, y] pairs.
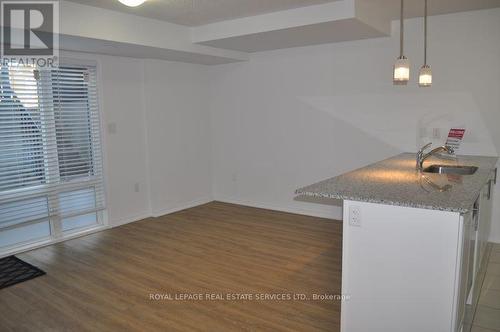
{"points": [[158, 212], [320, 212], [494, 240], [128, 220], [168, 210]]}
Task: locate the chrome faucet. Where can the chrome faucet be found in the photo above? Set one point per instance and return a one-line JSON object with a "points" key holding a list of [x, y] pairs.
{"points": [[421, 157]]}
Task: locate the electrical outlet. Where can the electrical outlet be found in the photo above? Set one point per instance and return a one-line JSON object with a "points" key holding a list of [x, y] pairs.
{"points": [[355, 216], [137, 187], [436, 133]]}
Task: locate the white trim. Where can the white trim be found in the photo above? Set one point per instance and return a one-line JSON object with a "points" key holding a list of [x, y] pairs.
{"points": [[159, 212], [102, 137], [320, 213], [128, 220], [146, 137], [168, 210]]}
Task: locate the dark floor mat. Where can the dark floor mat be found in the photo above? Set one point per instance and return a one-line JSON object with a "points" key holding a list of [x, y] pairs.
{"points": [[13, 271]]}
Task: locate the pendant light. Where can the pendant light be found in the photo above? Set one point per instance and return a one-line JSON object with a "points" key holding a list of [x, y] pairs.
{"points": [[132, 3], [425, 77], [401, 74]]}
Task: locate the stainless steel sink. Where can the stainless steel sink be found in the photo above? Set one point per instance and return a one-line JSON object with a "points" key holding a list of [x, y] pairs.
{"points": [[450, 169]]}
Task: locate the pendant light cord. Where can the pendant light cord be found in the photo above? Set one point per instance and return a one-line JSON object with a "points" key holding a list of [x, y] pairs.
{"points": [[401, 31], [425, 33]]}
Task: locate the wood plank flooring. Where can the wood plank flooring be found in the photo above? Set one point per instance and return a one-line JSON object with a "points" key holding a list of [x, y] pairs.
{"points": [[103, 282]]}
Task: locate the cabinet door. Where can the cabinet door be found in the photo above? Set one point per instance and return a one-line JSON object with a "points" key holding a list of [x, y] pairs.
{"points": [[479, 230], [481, 223], [485, 215]]}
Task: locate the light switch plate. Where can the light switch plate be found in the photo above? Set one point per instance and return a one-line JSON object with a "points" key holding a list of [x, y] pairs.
{"points": [[436, 133]]}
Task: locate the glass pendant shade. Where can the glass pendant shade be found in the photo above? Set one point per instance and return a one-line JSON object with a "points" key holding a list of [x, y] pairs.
{"points": [[401, 71], [425, 77], [132, 3]]}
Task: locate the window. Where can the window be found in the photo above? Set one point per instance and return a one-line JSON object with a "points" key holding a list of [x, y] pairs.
{"points": [[51, 181]]}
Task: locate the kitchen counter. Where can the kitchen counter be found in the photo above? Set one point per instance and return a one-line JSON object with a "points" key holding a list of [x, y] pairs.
{"points": [[395, 181]]}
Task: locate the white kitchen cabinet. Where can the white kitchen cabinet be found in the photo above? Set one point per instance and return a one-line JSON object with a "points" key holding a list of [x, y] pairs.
{"points": [[410, 269], [412, 243]]}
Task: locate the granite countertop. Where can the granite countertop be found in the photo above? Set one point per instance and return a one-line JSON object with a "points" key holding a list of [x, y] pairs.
{"points": [[395, 181]]}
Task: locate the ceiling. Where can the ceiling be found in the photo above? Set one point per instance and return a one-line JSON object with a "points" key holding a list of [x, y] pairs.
{"points": [[415, 8], [238, 27], [200, 12]]}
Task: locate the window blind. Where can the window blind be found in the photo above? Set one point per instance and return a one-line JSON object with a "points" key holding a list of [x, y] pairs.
{"points": [[50, 149]]}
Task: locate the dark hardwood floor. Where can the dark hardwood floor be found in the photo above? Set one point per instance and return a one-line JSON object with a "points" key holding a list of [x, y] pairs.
{"points": [[104, 281]]}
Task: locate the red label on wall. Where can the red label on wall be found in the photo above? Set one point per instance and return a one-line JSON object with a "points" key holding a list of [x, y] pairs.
{"points": [[455, 136], [457, 133]]}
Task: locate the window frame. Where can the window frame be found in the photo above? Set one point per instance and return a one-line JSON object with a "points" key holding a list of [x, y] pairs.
{"points": [[91, 181]]}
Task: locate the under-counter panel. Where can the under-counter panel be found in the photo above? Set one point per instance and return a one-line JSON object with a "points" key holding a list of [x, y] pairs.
{"points": [[401, 268]]}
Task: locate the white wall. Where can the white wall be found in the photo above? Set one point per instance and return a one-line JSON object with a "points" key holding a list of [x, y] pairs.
{"points": [[156, 140], [253, 132], [291, 117], [178, 135], [125, 150]]}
